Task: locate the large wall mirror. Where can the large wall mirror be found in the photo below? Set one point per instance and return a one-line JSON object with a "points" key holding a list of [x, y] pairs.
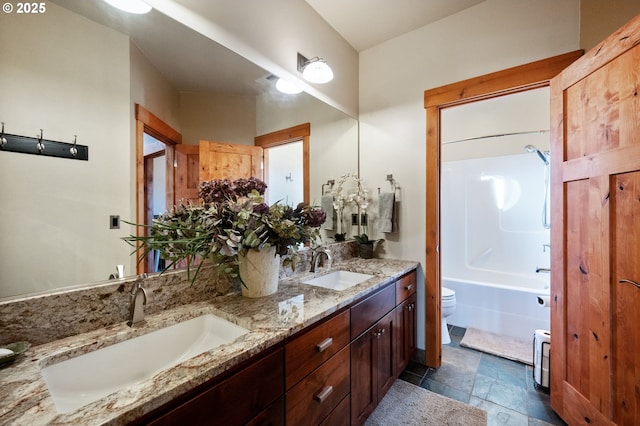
{"points": [[79, 69]]}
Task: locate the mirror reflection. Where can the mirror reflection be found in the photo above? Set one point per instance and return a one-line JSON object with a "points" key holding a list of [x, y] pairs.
{"points": [[80, 69]]}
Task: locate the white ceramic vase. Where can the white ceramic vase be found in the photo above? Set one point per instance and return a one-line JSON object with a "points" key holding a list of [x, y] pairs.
{"points": [[259, 272]]}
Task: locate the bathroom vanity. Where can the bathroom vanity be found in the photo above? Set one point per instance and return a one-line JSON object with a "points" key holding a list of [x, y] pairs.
{"points": [[312, 355]]}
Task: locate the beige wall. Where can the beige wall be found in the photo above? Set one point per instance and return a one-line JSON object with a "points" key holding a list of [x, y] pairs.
{"points": [[150, 89], [217, 117], [493, 35], [54, 213], [599, 19]]}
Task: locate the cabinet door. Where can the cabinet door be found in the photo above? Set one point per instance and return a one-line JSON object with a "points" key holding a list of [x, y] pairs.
{"points": [[236, 400], [372, 368], [595, 282], [405, 333]]}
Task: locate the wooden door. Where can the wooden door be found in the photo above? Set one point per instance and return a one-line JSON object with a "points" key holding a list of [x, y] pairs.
{"points": [[187, 173], [595, 230], [229, 161]]}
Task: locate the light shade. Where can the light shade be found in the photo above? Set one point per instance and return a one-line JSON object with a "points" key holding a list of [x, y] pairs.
{"points": [[317, 71], [131, 6], [287, 87]]}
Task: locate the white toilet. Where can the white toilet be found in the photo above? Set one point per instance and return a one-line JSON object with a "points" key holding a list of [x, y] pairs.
{"points": [[448, 306]]}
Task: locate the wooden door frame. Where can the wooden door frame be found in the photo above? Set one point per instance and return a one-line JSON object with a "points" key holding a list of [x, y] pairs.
{"points": [[147, 122], [512, 80], [292, 134]]}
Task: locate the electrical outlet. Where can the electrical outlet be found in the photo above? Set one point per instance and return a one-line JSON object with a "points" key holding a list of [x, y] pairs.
{"points": [[114, 222], [354, 219]]}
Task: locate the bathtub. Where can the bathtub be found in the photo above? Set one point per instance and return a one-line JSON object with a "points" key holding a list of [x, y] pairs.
{"points": [[501, 303]]}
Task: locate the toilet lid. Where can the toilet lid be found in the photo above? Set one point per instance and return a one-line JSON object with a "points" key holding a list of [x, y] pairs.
{"points": [[447, 293]]}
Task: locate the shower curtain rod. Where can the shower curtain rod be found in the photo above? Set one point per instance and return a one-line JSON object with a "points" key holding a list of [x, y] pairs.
{"points": [[499, 135]]}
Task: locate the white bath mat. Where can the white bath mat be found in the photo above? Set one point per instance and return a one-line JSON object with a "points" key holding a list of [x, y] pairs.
{"points": [[513, 348]]}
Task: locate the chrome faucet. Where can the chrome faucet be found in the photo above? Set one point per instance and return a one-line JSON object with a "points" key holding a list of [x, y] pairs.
{"points": [[538, 270], [315, 258], [138, 300]]}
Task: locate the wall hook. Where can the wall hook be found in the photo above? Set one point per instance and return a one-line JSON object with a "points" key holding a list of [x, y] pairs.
{"points": [[40, 144], [74, 149], [288, 178], [3, 140]]}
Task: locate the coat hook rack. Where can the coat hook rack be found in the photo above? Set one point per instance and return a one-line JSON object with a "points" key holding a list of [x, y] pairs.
{"points": [[44, 147]]}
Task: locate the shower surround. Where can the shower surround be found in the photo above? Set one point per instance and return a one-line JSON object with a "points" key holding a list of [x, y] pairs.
{"points": [[494, 241]]}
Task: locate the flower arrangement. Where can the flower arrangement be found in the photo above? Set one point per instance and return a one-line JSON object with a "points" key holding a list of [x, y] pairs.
{"points": [[231, 219], [359, 197]]}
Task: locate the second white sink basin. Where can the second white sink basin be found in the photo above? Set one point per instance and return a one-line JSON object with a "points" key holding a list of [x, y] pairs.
{"points": [[339, 280], [78, 381]]}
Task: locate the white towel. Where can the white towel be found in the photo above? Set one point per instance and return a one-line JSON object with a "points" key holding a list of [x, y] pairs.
{"points": [[326, 202], [386, 204]]}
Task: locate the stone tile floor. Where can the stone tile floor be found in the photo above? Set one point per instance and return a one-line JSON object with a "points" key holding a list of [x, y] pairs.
{"points": [[503, 388]]}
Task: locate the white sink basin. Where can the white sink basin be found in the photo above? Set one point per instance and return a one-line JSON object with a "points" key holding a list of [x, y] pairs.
{"points": [[339, 280], [78, 381]]}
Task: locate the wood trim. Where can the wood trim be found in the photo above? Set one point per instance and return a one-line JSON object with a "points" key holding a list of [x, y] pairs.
{"points": [[433, 318], [156, 127], [512, 80], [285, 136], [147, 122]]}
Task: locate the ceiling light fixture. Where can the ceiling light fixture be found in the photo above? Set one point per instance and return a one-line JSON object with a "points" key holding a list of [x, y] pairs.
{"points": [[285, 86], [132, 6], [315, 70]]}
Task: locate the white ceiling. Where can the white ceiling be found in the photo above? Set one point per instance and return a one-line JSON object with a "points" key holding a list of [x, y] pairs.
{"points": [[209, 67], [366, 23]]}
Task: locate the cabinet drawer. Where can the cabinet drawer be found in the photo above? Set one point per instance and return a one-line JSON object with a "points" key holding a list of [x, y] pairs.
{"points": [[307, 351], [405, 287], [311, 400], [370, 310], [340, 415], [235, 400]]}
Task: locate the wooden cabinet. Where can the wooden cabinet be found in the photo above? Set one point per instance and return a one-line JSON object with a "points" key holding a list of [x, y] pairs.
{"points": [[372, 367], [314, 398], [405, 333], [317, 371], [331, 374], [307, 351], [253, 395], [373, 364], [405, 287], [364, 314]]}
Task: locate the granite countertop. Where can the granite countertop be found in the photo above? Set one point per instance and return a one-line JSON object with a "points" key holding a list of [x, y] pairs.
{"points": [[25, 399]]}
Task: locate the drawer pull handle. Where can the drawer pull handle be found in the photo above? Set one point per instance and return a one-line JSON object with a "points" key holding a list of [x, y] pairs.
{"points": [[323, 394], [324, 344], [408, 287], [630, 282]]}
